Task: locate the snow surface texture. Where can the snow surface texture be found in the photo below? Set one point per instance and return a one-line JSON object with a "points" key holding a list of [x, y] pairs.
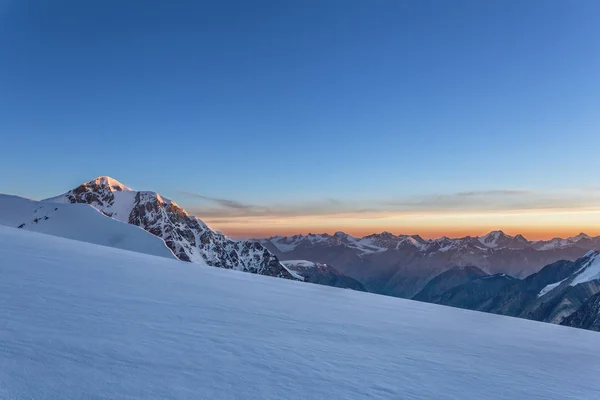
{"points": [[80, 222], [83, 321]]}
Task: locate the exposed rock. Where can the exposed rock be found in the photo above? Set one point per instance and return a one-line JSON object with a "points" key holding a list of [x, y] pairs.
{"points": [[588, 315], [447, 280], [188, 237], [323, 274]]}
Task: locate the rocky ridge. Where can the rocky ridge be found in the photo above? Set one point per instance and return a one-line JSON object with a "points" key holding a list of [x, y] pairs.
{"points": [[187, 236]]}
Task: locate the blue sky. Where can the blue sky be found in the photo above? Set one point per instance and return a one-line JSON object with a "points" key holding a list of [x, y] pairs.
{"points": [[306, 108]]}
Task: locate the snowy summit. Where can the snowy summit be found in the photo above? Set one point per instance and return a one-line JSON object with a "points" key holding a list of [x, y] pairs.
{"points": [[110, 183]]}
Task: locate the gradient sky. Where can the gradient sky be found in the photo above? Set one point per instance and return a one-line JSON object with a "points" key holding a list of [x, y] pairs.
{"points": [[432, 117]]}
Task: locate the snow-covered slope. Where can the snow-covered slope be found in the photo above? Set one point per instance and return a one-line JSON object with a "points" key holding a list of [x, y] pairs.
{"points": [[188, 237], [78, 221], [81, 321]]}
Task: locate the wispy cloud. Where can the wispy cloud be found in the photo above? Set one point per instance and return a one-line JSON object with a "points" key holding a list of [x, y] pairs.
{"points": [[491, 199], [227, 203], [503, 192], [225, 209], [476, 201]]}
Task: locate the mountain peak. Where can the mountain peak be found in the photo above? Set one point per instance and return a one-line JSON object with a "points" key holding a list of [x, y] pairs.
{"points": [[493, 238], [108, 182], [386, 234], [186, 236], [581, 236]]}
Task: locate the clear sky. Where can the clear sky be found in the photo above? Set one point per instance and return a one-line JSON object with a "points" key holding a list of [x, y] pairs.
{"points": [[432, 117]]}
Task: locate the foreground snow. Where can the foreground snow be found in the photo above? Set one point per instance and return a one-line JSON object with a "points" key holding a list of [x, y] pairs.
{"points": [[79, 320]]}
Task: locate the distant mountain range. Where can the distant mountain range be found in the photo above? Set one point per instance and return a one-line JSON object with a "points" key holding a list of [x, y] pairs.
{"points": [[556, 281], [401, 265]]}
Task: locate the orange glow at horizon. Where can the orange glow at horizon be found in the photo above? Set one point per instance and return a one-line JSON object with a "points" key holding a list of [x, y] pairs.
{"points": [[537, 225]]}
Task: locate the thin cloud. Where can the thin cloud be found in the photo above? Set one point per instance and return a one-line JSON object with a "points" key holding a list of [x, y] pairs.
{"points": [[225, 221], [493, 201], [503, 192], [467, 199], [227, 203]]}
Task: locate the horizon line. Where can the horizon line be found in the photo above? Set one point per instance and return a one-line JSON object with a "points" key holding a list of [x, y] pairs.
{"points": [[426, 237]]}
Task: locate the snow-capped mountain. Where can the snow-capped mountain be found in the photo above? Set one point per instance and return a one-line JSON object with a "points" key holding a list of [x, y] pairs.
{"points": [[187, 236], [582, 240], [589, 271], [560, 299], [387, 241], [401, 265], [82, 321], [80, 222], [365, 245]]}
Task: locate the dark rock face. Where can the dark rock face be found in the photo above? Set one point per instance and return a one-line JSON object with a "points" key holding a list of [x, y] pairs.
{"points": [[553, 305], [588, 315], [324, 274], [92, 192], [188, 237], [556, 306], [476, 294], [514, 299], [552, 295], [447, 280]]}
